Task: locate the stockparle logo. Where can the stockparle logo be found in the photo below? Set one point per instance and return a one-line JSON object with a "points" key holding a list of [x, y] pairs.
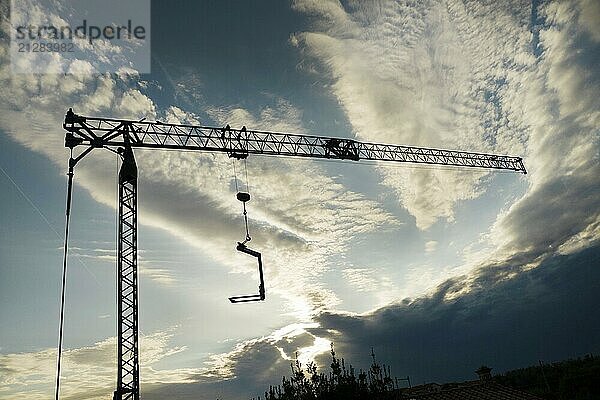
{"points": [[69, 36]]}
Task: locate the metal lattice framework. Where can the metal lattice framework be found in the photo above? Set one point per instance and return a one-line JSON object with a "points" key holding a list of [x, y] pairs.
{"points": [[128, 378], [108, 132], [124, 135]]}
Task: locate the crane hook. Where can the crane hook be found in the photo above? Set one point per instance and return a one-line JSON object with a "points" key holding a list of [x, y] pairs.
{"points": [[244, 197], [261, 286]]}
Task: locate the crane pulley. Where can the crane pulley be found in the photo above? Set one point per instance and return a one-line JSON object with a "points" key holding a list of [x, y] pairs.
{"points": [[245, 197], [235, 137]]}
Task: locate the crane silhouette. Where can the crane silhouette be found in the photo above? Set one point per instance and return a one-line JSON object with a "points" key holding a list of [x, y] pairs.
{"points": [[122, 136]]}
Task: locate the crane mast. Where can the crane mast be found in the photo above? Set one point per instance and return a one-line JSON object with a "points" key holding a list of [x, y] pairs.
{"points": [[122, 136], [128, 370]]}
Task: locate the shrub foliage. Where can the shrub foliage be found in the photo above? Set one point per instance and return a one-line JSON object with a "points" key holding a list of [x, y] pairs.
{"points": [[341, 382]]}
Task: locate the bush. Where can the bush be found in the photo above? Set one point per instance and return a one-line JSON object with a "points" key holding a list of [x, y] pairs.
{"points": [[306, 383]]}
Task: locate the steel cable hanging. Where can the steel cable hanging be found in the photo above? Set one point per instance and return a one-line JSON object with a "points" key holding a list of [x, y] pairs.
{"points": [[64, 272], [235, 176], [247, 180], [243, 197], [248, 238]]}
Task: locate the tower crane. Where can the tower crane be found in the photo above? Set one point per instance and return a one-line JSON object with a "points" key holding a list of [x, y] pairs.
{"points": [[122, 136]]}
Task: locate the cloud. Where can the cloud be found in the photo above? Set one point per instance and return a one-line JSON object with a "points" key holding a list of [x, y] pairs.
{"points": [[430, 246], [89, 370], [399, 74], [155, 269], [481, 77], [250, 367], [563, 200], [511, 318], [589, 15], [368, 280]]}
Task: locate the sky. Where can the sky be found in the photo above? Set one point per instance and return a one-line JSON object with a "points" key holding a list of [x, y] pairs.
{"points": [[438, 270]]}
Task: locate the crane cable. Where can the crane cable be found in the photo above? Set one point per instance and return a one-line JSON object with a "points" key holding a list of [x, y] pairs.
{"points": [[247, 181], [245, 212], [235, 176], [64, 273], [248, 238]]}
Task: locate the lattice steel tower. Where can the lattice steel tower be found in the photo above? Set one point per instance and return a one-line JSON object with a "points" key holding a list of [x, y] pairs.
{"points": [[128, 378]]}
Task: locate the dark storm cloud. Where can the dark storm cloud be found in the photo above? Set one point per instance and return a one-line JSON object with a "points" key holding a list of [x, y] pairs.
{"points": [[546, 313], [252, 368]]}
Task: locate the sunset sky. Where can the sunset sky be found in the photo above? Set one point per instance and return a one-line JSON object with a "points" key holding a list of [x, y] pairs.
{"points": [[439, 270]]}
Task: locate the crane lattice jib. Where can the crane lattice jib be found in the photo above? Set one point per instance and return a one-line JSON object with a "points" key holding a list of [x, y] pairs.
{"points": [[109, 132]]}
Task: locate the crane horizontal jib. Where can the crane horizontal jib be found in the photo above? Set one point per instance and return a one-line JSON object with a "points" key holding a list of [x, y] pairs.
{"points": [[109, 132]]}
